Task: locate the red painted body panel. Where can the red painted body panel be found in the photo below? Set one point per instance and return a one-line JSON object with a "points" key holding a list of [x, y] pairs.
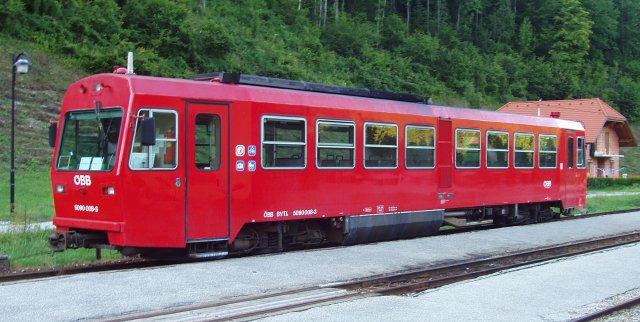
{"points": [[154, 211]]}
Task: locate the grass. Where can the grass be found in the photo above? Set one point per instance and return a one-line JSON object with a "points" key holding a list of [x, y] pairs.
{"points": [[610, 203], [34, 201], [29, 248]]}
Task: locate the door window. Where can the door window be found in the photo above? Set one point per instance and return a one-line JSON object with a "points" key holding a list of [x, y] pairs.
{"points": [[207, 142], [570, 153]]}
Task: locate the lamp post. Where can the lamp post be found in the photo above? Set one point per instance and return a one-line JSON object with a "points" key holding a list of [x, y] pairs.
{"points": [[21, 64]]}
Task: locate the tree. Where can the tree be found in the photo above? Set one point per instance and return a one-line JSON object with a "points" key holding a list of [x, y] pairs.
{"points": [[571, 41]]}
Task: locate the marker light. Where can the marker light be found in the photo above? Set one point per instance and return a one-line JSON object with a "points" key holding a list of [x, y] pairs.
{"points": [[109, 191], [59, 188]]}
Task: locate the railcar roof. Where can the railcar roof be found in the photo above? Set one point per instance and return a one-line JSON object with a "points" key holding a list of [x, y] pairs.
{"points": [[216, 91]]}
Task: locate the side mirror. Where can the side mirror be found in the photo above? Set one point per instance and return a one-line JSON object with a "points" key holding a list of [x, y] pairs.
{"points": [[148, 131], [53, 128]]}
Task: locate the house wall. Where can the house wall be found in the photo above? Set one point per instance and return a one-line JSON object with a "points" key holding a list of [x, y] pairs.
{"points": [[605, 166]]}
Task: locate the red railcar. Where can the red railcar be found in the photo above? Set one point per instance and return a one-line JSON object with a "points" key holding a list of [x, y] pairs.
{"points": [[238, 163]]}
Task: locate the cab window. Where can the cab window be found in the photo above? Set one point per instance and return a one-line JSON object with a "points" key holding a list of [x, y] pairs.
{"points": [[164, 154], [89, 140]]}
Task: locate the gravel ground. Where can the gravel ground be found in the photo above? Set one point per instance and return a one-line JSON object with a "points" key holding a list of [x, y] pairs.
{"points": [[560, 290]]}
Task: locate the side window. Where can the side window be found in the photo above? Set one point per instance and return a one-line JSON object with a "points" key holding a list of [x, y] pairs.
{"points": [[420, 148], [581, 153], [284, 142], [207, 142], [523, 150], [380, 145], [547, 151], [467, 148], [336, 145], [162, 155], [497, 150], [570, 153]]}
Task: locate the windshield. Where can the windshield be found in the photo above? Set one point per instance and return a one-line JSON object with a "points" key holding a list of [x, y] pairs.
{"points": [[89, 140]]}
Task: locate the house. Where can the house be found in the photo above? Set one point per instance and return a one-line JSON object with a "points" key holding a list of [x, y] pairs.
{"points": [[606, 130]]}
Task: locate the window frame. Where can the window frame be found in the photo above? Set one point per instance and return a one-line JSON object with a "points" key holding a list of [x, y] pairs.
{"points": [[579, 154], [479, 149], [515, 150], [407, 147], [334, 146], [540, 152], [303, 144], [487, 150], [365, 145], [176, 140]]}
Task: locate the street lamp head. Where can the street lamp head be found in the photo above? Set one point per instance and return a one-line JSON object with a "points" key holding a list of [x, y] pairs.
{"points": [[22, 63]]}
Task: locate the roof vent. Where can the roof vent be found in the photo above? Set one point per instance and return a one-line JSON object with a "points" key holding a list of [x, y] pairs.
{"points": [[555, 115]]}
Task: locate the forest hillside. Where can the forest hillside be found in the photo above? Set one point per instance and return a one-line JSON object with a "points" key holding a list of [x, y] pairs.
{"points": [[474, 53]]}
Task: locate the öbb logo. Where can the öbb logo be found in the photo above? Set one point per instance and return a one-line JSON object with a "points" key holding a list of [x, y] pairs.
{"points": [[82, 180]]}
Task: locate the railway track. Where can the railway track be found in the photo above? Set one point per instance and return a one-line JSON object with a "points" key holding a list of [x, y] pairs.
{"points": [[609, 310], [409, 282], [133, 263]]}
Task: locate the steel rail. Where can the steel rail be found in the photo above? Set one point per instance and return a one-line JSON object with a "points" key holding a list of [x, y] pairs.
{"points": [[407, 282], [609, 310]]}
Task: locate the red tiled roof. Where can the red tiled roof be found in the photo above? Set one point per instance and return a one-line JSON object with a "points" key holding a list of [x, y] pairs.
{"points": [[592, 113]]}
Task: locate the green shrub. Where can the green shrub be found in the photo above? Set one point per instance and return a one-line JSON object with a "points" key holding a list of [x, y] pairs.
{"points": [[612, 182]]}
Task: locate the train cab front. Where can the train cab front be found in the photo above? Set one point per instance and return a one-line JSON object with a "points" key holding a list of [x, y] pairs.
{"points": [[84, 178]]}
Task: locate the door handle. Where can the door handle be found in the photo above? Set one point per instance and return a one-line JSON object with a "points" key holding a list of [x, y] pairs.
{"points": [[178, 182]]}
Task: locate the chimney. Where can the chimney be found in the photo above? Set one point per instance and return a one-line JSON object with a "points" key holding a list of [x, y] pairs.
{"points": [[555, 115]]}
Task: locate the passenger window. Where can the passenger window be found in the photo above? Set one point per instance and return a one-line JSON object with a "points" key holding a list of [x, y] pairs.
{"points": [[420, 147], [284, 142], [336, 145], [380, 145], [547, 151], [523, 151], [467, 149], [162, 155], [581, 153], [497, 150], [207, 141]]}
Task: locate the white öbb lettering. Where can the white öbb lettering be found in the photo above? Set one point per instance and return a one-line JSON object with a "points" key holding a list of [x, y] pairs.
{"points": [[82, 180]]}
